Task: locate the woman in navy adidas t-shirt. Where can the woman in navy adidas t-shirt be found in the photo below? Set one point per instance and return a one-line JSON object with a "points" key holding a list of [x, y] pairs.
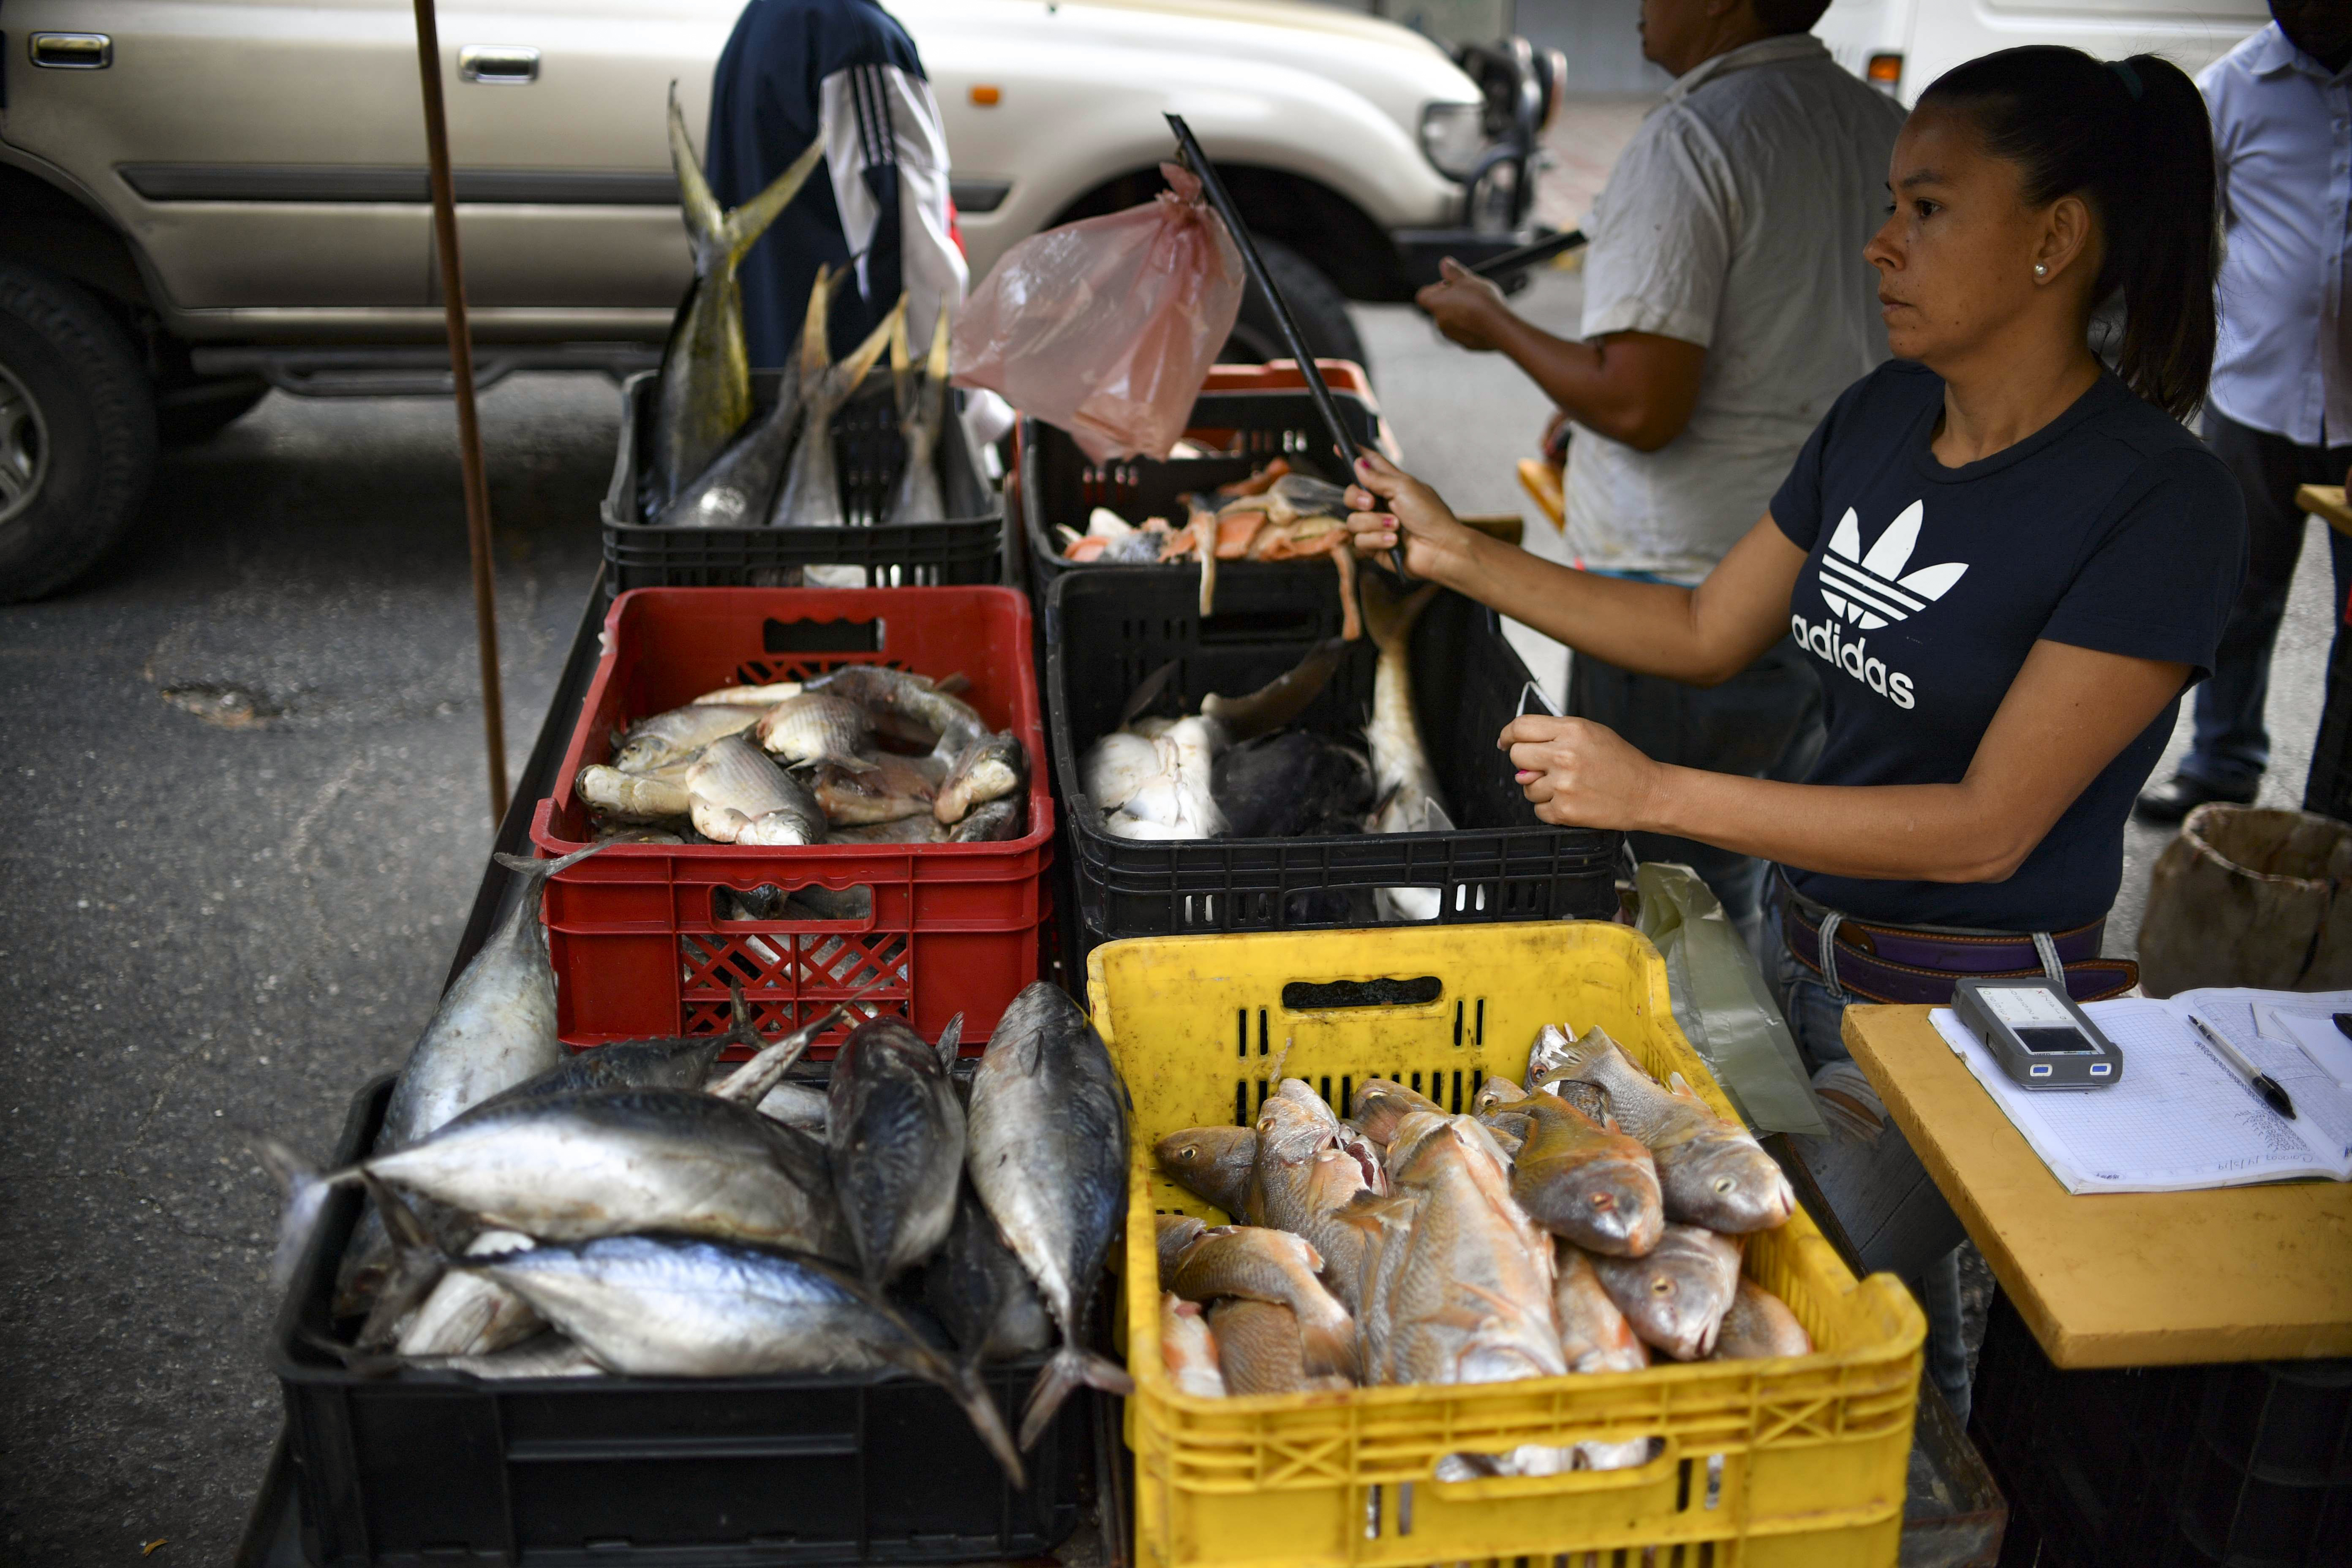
{"points": [[2009, 562]]}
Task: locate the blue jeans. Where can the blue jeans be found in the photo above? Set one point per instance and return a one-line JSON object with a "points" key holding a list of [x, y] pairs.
{"points": [[2232, 746], [1879, 1193]]}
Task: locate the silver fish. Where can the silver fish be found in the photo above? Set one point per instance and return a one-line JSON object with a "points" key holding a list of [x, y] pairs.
{"points": [[1403, 784], [818, 727], [1712, 1171], [1676, 1294], [995, 823], [672, 738], [631, 797], [1048, 1142], [923, 413], [810, 497], [978, 1288], [989, 769], [666, 1306], [706, 376], [880, 690], [895, 1136], [610, 1161], [741, 796], [468, 1315]]}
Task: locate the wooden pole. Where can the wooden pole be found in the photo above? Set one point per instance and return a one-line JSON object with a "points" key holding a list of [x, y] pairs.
{"points": [[461, 376]]}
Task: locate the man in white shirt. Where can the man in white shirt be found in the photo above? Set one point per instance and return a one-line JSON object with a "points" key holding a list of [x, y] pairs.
{"points": [[1726, 306], [2279, 410]]}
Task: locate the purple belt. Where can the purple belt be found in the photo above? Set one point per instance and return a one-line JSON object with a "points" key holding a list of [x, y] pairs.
{"points": [[1907, 964]]}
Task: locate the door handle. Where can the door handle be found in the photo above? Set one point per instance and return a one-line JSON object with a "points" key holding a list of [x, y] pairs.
{"points": [[498, 65], [71, 51]]}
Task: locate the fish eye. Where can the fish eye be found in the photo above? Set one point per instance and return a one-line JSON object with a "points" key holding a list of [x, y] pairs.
{"points": [[1662, 1285], [1603, 1201], [1724, 1185]]}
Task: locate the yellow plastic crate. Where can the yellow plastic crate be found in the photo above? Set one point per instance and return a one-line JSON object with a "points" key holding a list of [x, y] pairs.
{"points": [[1797, 1462]]}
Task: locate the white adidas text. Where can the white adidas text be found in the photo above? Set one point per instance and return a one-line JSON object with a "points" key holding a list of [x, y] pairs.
{"points": [[1826, 642]]}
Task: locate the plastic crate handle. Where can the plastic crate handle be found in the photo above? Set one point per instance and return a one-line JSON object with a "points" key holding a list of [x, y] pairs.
{"points": [[1496, 1488]]}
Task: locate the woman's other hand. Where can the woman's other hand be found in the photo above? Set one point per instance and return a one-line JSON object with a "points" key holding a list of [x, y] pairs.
{"points": [[1466, 308], [1387, 506], [1579, 773]]}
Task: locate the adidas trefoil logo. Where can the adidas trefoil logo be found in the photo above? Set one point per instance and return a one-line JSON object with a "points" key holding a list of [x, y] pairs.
{"points": [[1870, 591]]}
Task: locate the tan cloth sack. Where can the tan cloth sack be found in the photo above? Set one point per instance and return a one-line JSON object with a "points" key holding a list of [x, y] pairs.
{"points": [[2249, 897]]}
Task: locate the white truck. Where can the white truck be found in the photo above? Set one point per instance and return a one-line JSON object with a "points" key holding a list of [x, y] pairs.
{"points": [[1901, 46], [202, 199]]}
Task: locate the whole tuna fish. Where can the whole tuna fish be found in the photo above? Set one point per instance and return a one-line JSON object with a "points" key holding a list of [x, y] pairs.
{"points": [[1596, 1187], [496, 1024], [1216, 1163], [1759, 1324], [895, 1136], [1048, 1141], [1677, 1295], [1188, 1349], [1461, 1286], [670, 1306], [1711, 1172], [1261, 1264], [582, 1165], [705, 372], [976, 1287]]}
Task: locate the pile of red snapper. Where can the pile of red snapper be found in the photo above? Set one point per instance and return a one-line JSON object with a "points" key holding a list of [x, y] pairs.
{"points": [[1581, 1227]]}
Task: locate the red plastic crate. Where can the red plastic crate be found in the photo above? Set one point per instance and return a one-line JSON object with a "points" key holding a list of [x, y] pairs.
{"points": [[954, 928]]}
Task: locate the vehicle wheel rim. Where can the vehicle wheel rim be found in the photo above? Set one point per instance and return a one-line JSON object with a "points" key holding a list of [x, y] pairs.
{"points": [[24, 448]]}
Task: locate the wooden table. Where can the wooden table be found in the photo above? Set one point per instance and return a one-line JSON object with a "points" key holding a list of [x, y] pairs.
{"points": [[2115, 1279]]}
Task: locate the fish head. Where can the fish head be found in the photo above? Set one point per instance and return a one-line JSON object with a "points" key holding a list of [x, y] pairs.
{"points": [[1378, 1104], [1494, 1093], [1550, 1051], [1612, 1206], [642, 753], [1292, 1130], [1175, 1233], [1729, 1184], [1211, 1163], [1409, 1139]]}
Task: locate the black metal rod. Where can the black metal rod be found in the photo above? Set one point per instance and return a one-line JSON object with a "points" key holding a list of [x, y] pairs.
{"points": [[1317, 391], [1512, 262]]}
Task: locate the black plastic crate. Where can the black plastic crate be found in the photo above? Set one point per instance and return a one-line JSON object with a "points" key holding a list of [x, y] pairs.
{"points": [[1106, 631], [966, 548], [2166, 1466], [441, 1467], [1061, 484]]}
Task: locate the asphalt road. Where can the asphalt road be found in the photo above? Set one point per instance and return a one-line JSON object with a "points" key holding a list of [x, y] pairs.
{"points": [[246, 817]]}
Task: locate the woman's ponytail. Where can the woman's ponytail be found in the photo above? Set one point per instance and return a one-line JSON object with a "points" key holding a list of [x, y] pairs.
{"points": [[2131, 137]]}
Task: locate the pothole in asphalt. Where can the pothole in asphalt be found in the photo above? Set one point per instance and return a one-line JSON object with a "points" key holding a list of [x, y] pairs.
{"points": [[229, 707]]}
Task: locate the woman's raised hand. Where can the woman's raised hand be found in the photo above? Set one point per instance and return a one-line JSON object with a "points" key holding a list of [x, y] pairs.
{"points": [[1579, 773], [1387, 506]]}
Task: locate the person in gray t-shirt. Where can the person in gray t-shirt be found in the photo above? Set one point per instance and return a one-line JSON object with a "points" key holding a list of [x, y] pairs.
{"points": [[1726, 306]]}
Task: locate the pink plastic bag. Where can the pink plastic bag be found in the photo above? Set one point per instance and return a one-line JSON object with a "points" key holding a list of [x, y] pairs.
{"points": [[1107, 327]]}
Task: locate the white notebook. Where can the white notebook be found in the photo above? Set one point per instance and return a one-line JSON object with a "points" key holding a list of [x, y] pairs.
{"points": [[2180, 1118]]}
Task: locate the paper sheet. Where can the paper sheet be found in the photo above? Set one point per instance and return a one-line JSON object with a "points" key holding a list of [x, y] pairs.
{"points": [[2179, 1118]]}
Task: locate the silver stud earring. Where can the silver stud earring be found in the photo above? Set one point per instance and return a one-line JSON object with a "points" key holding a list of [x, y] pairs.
{"points": [[2040, 270]]}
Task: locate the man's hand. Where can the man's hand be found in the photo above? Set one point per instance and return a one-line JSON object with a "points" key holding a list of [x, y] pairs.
{"points": [[1387, 506], [1465, 307], [1579, 773]]}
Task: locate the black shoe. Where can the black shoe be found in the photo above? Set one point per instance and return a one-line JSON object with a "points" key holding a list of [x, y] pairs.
{"points": [[2167, 803]]}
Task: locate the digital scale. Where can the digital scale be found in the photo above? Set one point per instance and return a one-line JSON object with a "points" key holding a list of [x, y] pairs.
{"points": [[2042, 1040]]}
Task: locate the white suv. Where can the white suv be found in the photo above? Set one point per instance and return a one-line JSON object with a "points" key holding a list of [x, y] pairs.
{"points": [[205, 199]]}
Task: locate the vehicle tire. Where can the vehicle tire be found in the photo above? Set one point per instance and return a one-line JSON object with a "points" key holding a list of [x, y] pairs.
{"points": [[1316, 304], [201, 410], [77, 432]]}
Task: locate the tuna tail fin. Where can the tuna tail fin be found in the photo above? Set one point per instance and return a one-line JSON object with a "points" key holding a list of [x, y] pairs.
{"points": [[540, 870], [704, 219], [851, 372], [1388, 619], [306, 1200], [743, 227], [1073, 1366], [950, 1041], [1281, 700], [963, 1381]]}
